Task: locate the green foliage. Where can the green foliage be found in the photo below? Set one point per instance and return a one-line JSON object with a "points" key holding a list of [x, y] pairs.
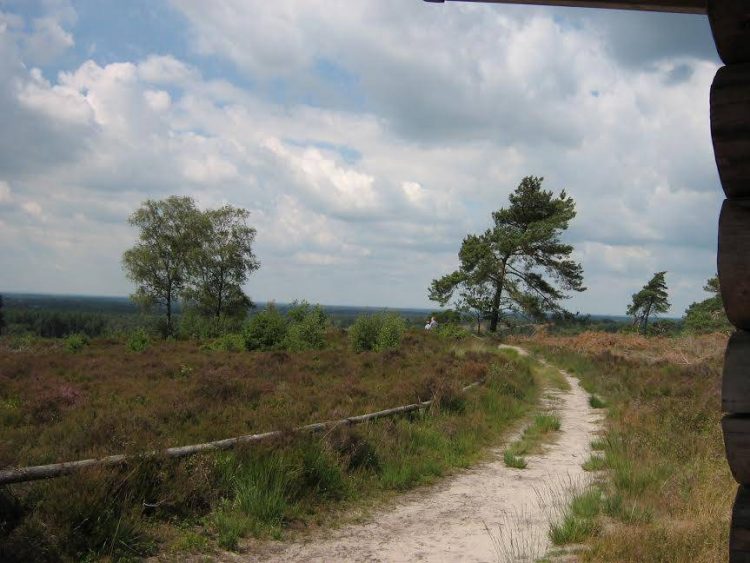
{"points": [[452, 331], [193, 325], [228, 343], [203, 257], [138, 341], [650, 300], [266, 330], [708, 315], [519, 264], [363, 334], [307, 324], [158, 263], [221, 262], [391, 331], [76, 342], [378, 332], [2, 316], [447, 316], [307, 334]]}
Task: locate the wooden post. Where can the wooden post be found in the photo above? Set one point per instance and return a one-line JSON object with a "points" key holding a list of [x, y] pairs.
{"points": [[739, 534], [730, 132], [730, 122]]}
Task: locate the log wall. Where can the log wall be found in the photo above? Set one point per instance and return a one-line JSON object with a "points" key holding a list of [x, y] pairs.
{"points": [[730, 132]]}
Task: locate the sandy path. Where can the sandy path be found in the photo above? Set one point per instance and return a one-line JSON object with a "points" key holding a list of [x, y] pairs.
{"points": [[487, 513]]}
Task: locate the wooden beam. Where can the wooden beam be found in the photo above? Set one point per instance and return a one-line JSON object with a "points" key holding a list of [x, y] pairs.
{"points": [[674, 6], [734, 262], [730, 24], [737, 445], [739, 533], [730, 128], [735, 388]]}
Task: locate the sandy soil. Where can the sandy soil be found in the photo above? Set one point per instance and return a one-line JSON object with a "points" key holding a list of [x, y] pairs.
{"points": [[487, 513]]}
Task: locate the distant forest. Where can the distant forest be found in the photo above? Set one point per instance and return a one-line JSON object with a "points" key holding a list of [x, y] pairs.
{"points": [[53, 316]]}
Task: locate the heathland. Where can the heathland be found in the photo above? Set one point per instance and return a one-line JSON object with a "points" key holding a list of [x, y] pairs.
{"points": [[62, 402]]}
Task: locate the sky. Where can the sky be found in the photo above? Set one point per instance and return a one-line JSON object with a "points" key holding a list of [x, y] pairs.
{"points": [[365, 137]]}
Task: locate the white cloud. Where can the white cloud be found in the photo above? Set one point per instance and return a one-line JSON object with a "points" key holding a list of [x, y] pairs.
{"points": [[5, 193], [32, 208], [371, 138], [47, 41], [158, 100]]}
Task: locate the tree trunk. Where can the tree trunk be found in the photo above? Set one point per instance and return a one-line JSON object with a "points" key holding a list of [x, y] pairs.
{"points": [[169, 313], [496, 307], [645, 318]]}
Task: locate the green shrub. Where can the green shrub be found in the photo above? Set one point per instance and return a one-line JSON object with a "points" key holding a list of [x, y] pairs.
{"points": [[307, 334], [363, 334], [193, 325], [301, 310], [265, 330], [138, 341], [76, 342], [391, 331], [377, 332], [452, 331], [228, 343]]}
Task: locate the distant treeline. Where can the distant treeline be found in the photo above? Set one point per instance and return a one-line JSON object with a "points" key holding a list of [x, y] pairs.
{"points": [[52, 316], [58, 324]]}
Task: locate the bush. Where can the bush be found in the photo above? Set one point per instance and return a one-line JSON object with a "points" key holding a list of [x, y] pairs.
{"points": [[391, 331], [301, 310], [265, 330], [363, 334], [138, 341], [452, 331], [306, 330], [228, 343], [308, 334], [377, 332], [76, 342], [193, 325]]}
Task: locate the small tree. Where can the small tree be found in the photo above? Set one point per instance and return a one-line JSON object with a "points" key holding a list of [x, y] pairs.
{"points": [[221, 262], [476, 301], [650, 300], [158, 263], [708, 315], [519, 265], [2, 315]]}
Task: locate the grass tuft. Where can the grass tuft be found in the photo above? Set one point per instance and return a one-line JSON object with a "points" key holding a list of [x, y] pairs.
{"points": [[578, 521], [596, 403], [595, 463], [514, 461]]}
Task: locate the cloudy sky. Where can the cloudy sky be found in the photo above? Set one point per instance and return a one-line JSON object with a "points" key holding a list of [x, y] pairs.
{"points": [[366, 137]]}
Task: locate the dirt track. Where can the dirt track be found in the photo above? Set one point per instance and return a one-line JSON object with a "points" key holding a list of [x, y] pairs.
{"points": [[487, 513]]}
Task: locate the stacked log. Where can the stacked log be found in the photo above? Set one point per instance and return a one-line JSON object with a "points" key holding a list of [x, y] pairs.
{"points": [[730, 131]]}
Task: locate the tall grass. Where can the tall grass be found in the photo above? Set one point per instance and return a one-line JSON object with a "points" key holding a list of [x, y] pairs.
{"points": [[668, 491]]}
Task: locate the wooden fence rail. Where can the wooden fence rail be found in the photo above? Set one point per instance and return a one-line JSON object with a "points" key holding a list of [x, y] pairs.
{"points": [[37, 472]]}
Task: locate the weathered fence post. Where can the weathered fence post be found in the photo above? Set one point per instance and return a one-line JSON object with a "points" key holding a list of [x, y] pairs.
{"points": [[730, 131]]}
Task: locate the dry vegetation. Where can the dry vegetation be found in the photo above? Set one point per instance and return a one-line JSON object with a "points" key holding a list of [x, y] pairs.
{"points": [[57, 405], [667, 493]]}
